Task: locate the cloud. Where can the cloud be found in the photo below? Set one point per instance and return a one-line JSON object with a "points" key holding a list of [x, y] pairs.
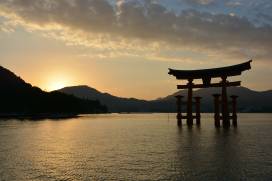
{"points": [[200, 2], [140, 26], [233, 3]]}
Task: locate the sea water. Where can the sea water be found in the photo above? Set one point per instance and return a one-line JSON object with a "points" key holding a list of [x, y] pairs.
{"points": [[135, 147]]}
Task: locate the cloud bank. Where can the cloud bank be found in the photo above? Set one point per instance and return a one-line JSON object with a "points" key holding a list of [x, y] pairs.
{"points": [[141, 27]]}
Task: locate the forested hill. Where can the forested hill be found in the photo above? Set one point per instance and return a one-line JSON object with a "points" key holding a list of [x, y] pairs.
{"points": [[20, 98]]}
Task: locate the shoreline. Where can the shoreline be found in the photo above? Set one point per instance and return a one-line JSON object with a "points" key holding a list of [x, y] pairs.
{"points": [[57, 116], [38, 116]]}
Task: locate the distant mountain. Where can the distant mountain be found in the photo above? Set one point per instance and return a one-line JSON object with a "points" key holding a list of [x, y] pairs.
{"points": [[21, 98], [248, 101], [114, 104]]}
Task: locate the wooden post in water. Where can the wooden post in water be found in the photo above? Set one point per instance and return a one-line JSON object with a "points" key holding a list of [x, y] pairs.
{"points": [[179, 114], [234, 110], [224, 103], [197, 108], [190, 103], [216, 110]]}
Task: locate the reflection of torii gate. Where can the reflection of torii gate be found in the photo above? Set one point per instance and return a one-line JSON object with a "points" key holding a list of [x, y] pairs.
{"points": [[206, 75]]}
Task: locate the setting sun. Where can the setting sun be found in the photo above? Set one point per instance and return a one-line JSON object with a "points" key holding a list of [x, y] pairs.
{"points": [[57, 81], [56, 85]]}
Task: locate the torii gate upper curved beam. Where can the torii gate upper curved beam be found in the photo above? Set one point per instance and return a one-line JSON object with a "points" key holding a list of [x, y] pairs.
{"points": [[211, 73]]}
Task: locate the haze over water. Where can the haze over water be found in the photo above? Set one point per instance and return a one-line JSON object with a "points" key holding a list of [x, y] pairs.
{"points": [[135, 147]]}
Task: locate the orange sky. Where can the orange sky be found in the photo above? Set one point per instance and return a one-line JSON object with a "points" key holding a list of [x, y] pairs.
{"points": [[121, 50]]}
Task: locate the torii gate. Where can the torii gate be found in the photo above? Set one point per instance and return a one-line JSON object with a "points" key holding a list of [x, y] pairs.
{"points": [[206, 75]]}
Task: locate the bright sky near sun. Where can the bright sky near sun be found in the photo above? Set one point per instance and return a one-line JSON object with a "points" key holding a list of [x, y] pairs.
{"points": [[125, 47]]}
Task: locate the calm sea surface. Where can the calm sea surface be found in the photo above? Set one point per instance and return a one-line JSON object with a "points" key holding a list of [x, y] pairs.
{"points": [[135, 147]]}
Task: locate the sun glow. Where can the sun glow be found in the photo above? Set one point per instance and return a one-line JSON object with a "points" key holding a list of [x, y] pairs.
{"points": [[56, 85], [57, 81]]}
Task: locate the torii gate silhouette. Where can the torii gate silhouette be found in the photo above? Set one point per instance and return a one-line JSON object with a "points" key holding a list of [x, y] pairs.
{"points": [[206, 75]]}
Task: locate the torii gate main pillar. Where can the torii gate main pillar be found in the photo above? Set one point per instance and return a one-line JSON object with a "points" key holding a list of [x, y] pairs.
{"points": [[224, 104], [190, 103]]}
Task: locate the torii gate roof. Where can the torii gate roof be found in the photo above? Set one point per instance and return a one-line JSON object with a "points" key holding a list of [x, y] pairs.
{"points": [[233, 70]]}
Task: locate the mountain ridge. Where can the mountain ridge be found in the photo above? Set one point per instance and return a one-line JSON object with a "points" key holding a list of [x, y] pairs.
{"points": [[248, 101]]}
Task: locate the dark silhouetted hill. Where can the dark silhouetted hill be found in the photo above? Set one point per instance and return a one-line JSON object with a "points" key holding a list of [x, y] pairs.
{"points": [[20, 98], [248, 101]]}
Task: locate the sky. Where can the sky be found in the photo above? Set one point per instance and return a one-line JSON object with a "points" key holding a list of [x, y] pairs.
{"points": [[125, 47]]}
